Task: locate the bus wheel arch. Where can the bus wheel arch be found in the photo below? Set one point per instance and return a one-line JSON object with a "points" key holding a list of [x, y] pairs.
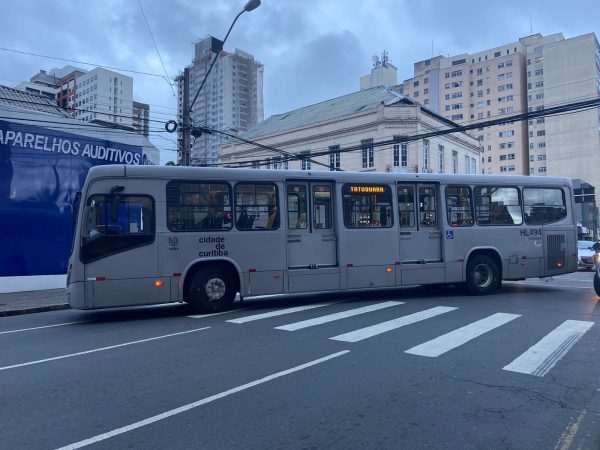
{"points": [[211, 286], [483, 272]]}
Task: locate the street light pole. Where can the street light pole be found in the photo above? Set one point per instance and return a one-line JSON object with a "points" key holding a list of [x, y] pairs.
{"points": [[186, 120]]}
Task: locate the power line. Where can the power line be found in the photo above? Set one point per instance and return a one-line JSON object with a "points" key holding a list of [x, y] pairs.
{"points": [[156, 47], [81, 62]]}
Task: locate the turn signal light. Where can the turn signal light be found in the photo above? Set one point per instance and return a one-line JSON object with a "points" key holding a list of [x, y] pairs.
{"points": [[158, 283], [389, 270]]}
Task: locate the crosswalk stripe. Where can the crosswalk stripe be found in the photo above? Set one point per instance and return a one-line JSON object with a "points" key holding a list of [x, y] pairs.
{"points": [[337, 316], [544, 355], [277, 312], [460, 336], [364, 333]]}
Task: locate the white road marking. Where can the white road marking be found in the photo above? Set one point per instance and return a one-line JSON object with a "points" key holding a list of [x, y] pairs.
{"points": [[198, 403], [70, 355], [277, 312], [337, 316], [45, 326], [201, 316], [460, 336], [364, 333], [544, 355]]}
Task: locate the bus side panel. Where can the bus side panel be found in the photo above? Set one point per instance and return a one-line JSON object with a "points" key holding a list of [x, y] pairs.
{"points": [[367, 254]]}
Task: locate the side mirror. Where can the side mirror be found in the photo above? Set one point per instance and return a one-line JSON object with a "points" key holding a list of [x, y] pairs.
{"points": [[115, 199], [114, 207]]}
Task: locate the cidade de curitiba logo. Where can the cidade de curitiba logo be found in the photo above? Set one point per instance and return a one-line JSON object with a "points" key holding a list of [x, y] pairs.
{"points": [[173, 243]]}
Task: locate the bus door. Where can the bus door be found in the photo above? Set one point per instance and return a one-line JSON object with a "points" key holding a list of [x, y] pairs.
{"points": [[311, 237], [420, 233]]}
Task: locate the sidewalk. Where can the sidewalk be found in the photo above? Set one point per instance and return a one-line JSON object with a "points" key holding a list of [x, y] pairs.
{"points": [[33, 301]]}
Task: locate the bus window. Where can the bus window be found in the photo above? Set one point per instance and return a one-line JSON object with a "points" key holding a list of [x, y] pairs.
{"points": [[367, 206], [321, 207], [193, 206], [256, 206], [296, 206], [543, 205], [427, 207], [102, 236], [498, 205], [459, 206], [406, 206]]}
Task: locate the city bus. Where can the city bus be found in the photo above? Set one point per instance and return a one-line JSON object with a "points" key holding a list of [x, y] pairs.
{"points": [[148, 235]]}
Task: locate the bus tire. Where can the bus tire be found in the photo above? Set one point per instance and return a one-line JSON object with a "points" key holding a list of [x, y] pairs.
{"points": [[483, 275], [212, 289], [597, 284]]}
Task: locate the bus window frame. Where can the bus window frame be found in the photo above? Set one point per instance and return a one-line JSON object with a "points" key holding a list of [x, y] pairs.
{"points": [[388, 189], [472, 205], [521, 204], [564, 204], [121, 197], [201, 230], [277, 204]]}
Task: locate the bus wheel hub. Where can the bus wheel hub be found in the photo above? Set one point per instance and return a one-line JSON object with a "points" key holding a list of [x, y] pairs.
{"points": [[215, 289]]}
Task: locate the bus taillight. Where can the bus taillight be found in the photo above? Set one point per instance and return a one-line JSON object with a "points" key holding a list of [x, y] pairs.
{"points": [[158, 283]]}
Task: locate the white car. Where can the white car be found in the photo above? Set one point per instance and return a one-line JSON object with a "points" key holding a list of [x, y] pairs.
{"points": [[585, 255]]}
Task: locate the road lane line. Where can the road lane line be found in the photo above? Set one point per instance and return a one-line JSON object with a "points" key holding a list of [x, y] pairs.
{"points": [[460, 336], [202, 316], [544, 355], [86, 352], [364, 333], [337, 316], [198, 403], [278, 312], [45, 326]]}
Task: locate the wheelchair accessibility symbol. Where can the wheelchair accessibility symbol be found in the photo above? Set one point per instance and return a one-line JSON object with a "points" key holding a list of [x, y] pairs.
{"points": [[450, 234]]}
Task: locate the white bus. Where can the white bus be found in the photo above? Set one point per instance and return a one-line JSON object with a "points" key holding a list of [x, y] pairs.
{"points": [[149, 235]]}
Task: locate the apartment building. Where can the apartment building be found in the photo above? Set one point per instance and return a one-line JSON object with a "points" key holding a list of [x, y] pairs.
{"points": [[105, 97], [231, 99], [530, 74]]}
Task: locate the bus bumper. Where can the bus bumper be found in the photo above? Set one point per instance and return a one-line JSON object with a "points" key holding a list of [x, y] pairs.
{"points": [[76, 295]]}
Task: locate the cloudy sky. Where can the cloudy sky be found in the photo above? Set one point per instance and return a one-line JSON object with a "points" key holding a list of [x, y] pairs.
{"points": [[312, 50]]}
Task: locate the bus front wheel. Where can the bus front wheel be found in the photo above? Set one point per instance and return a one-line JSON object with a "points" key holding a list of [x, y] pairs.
{"points": [[483, 275], [212, 289]]}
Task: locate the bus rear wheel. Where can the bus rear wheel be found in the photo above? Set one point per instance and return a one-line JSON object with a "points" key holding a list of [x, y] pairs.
{"points": [[483, 275], [212, 289]]}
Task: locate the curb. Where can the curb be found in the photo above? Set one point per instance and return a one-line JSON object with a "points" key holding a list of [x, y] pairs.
{"points": [[37, 309]]}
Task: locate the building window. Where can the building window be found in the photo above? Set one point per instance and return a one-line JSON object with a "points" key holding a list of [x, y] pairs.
{"points": [[334, 158], [426, 154], [404, 155], [367, 153], [305, 160], [454, 161], [441, 158]]}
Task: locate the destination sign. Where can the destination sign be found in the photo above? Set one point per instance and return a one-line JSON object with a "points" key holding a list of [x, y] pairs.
{"points": [[366, 189]]}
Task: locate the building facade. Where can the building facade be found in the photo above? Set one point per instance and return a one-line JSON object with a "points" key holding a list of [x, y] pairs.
{"points": [[232, 97], [346, 133], [141, 118], [528, 75], [106, 97], [383, 73]]}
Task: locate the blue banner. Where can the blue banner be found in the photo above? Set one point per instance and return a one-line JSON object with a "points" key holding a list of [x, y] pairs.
{"points": [[41, 170]]}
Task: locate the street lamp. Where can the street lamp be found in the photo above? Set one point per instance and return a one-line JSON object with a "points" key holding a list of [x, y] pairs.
{"points": [[186, 119]]}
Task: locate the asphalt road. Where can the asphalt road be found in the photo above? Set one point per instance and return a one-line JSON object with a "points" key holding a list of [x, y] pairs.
{"points": [[413, 368]]}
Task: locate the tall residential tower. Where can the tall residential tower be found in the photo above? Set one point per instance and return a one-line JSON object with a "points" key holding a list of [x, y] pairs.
{"points": [[231, 99]]}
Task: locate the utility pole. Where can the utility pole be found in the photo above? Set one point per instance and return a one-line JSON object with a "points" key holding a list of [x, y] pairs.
{"points": [[185, 141]]}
